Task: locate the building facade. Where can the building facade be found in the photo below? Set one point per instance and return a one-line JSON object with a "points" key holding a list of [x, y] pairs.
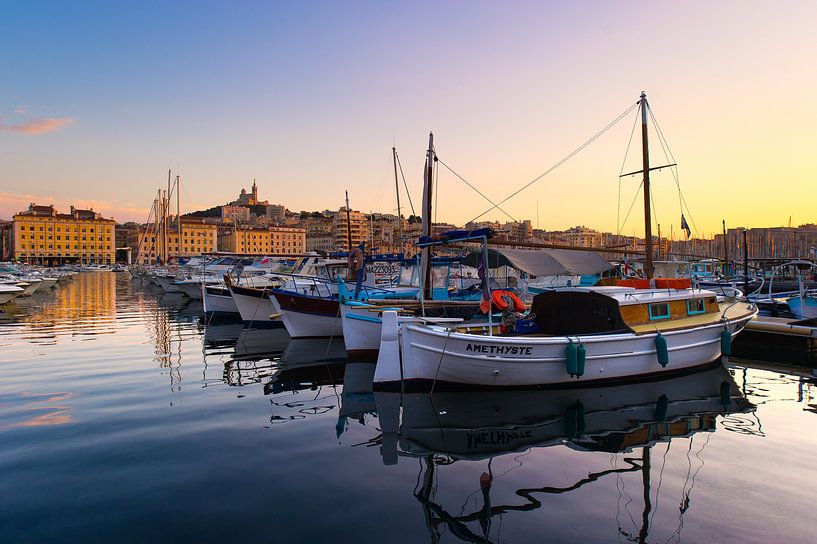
{"points": [[198, 237], [341, 228], [42, 235], [264, 241], [276, 213], [235, 214]]}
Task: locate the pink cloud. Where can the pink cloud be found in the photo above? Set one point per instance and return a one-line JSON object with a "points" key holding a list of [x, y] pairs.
{"points": [[39, 126], [22, 110]]}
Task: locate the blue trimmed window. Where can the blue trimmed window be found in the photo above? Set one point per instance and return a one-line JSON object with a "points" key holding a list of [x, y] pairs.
{"points": [[696, 306], [659, 311]]}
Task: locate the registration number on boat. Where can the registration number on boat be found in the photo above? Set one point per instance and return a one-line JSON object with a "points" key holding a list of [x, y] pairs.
{"points": [[499, 350]]}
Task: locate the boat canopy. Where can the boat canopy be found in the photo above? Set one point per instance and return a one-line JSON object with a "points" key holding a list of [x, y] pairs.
{"points": [[543, 262]]}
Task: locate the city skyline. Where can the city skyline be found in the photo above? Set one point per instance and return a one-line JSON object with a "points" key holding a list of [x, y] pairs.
{"points": [[100, 101]]}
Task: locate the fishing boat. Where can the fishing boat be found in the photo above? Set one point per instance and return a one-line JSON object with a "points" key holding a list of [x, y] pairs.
{"points": [[584, 334]]}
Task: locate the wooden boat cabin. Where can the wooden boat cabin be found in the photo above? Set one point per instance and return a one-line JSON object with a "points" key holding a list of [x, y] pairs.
{"points": [[600, 310]]}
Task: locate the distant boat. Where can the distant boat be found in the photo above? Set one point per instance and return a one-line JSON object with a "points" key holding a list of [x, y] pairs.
{"points": [[95, 268]]}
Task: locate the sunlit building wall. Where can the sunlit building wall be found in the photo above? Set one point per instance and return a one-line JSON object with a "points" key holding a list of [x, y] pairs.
{"points": [[44, 236]]}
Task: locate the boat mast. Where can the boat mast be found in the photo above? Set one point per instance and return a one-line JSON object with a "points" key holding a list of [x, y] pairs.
{"points": [[645, 152], [166, 216], [178, 220], [428, 191], [397, 190], [348, 225], [157, 237]]}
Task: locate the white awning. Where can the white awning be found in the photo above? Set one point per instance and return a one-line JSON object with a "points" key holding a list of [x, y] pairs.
{"points": [[543, 262]]}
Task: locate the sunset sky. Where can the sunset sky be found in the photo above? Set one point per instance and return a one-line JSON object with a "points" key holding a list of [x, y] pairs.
{"points": [[99, 99]]}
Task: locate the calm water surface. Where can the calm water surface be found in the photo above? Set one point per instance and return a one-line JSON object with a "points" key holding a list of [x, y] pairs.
{"points": [[124, 417]]}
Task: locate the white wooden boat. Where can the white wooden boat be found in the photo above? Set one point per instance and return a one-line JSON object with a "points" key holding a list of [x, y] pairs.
{"points": [[584, 335]]}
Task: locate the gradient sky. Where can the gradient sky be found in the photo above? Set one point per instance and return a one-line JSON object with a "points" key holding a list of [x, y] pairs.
{"points": [[99, 99]]}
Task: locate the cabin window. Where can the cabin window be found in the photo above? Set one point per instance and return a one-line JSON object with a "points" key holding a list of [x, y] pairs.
{"points": [[659, 311], [696, 306]]}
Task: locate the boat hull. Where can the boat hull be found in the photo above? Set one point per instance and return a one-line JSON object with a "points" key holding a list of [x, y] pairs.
{"points": [[168, 284], [8, 296], [434, 355], [192, 290], [362, 328], [255, 307], [307, 317], [803, 307], [218, 302]]}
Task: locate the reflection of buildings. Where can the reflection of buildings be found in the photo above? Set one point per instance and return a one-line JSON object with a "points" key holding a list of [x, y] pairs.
{"points": [[88, 301]]}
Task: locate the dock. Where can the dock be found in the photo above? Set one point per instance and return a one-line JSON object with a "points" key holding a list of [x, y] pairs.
{"points": [[779, 339]]}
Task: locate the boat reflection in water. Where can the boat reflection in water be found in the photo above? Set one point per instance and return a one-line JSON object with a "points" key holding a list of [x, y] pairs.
{"points": [[447, 428]]}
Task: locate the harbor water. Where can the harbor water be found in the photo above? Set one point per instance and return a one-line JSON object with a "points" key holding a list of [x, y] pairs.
{"points": [[126, 417]]}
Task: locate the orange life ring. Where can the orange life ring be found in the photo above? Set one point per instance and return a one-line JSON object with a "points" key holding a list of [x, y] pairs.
{"points": [[499, 296]]}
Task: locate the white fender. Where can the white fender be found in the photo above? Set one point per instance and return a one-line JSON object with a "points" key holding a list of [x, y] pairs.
{"points": [[388, 360]]}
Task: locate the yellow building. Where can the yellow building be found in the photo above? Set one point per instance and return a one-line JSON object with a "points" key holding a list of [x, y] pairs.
{"points": [[198, 238], [42, 235], [264, 241]]}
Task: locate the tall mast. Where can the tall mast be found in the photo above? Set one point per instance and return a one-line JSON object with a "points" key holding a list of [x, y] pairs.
{"points": [[428, 191], [397, 190], [158, 234], [645, 152], [725, 252], [166, 216], [348, 224], [178, 219]]}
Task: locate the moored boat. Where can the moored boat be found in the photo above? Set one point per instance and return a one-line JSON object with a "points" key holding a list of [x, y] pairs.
{"points": [[595, 334], [585, 335]]}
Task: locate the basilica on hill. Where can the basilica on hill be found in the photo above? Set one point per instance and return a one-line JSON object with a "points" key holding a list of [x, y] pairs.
{"points": [[249, 199]]}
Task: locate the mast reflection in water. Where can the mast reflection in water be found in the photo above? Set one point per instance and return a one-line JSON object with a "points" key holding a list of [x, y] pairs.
{"points": [[627, 421]]}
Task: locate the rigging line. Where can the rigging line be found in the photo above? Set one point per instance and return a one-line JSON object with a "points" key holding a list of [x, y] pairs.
{"points": [[669, 157], [631, 207], [662, 138], [655, 214], [563, 160], [623, 162], [408, 193], [477, 190]]}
